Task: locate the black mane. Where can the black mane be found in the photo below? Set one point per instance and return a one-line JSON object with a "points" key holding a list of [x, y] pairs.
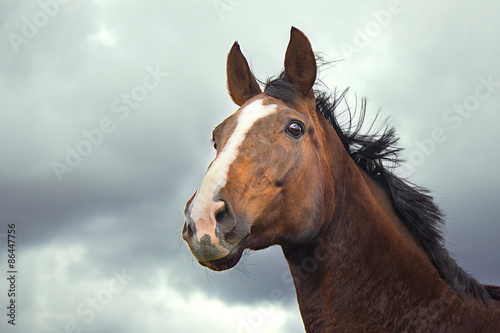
{"points": [[375, 153]]}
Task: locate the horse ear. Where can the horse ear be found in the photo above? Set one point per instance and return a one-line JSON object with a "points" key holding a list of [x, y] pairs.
{"points": [[240, 81], [300, 63]]}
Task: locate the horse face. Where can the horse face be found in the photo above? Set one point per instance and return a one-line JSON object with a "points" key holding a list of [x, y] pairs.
{"points": [[263, 187]]}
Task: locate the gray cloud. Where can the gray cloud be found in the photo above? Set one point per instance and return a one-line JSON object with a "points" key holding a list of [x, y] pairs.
{"points": [[120, 207]]}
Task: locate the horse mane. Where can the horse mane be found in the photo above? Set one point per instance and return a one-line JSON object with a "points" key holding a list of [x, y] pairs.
{"points": [[377, 153]]}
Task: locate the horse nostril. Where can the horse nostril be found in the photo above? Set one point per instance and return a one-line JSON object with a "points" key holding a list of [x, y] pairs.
{"points": [[219, 215], [185, 232], [224, 218]]}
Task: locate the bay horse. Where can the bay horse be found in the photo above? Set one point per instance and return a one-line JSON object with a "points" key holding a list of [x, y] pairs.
{"points": [[363, 245]]}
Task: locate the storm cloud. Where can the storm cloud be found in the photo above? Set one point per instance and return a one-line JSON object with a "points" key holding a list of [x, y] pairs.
{"points": [[107, 111]]}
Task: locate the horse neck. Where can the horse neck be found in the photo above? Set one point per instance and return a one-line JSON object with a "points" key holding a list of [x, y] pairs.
{"points": [[364, 271]]}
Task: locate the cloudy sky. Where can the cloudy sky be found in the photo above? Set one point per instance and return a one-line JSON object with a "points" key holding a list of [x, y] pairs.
{"points": [[107, 109]]}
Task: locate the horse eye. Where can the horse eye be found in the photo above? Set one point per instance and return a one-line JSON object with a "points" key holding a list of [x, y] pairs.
{"points": [[214, 144], [295, 129]]}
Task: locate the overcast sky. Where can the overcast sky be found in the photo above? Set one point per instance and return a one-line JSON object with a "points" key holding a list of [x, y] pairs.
{"points": [[107, 109]]}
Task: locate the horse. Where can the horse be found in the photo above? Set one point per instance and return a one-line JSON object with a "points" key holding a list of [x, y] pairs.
{"points": [[364, 246]]}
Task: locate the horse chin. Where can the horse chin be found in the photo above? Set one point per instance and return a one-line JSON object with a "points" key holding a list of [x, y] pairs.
{"points": [[225, 263]]}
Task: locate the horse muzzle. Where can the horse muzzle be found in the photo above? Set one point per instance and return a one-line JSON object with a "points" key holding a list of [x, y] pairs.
{"points": [[210, 232]]}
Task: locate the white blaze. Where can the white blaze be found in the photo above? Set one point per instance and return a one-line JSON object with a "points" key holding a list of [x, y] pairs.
{"points": [[216, 176]]}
